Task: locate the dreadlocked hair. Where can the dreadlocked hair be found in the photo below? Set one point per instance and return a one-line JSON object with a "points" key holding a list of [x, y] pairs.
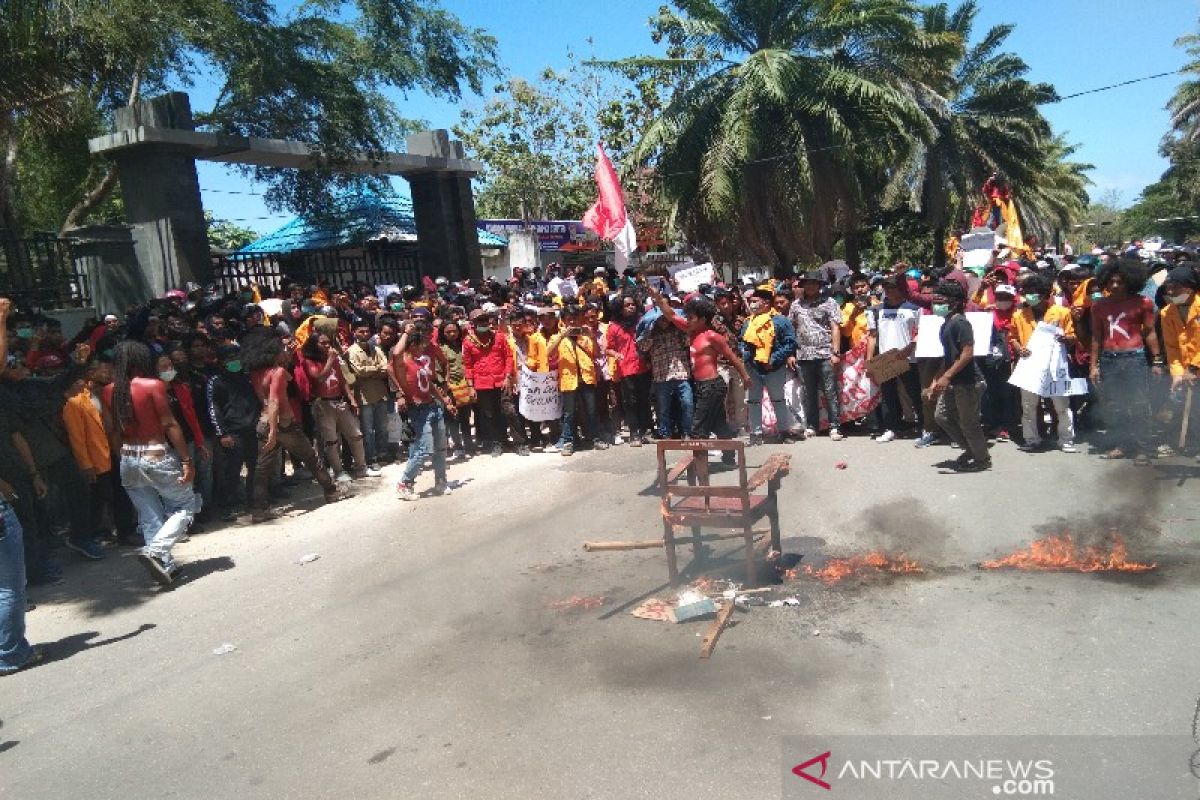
{"points": [[131, 360], [261, 348], [953, 292]]}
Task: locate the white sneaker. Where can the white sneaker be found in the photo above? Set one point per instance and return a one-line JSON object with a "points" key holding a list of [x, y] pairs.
{"points": [[1069, 447], [618, 439], [374, 471], [343, 477], [835, 435], [886, 436], [809, 433]]}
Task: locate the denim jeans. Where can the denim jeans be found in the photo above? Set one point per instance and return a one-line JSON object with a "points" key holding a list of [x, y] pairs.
{"points": [[430, 429], [165, 507], [570, 407], [773, 383], [666, 392], [373, 419], [14, 649], [1125, 399], [817, 377]]}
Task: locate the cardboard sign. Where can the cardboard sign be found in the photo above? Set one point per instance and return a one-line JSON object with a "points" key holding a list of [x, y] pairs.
{"points": [[540, 400], [884, 367]]}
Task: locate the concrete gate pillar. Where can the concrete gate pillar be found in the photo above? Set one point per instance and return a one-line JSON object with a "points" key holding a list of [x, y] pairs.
{"points": [[444, 208], [162, 196]]}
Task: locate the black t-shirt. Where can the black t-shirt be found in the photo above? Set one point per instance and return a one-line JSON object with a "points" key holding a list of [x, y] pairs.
{"points": [[956, 334]]}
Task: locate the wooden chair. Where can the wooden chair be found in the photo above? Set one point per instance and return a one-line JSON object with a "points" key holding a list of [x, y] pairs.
{"points": [[699, 504]]}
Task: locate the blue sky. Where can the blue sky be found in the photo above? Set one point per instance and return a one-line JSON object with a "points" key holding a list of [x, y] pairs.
{"points": [[1074, 44]]}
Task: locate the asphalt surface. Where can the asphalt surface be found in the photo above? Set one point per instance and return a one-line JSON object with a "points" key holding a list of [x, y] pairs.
{"points": [[426, 652]]}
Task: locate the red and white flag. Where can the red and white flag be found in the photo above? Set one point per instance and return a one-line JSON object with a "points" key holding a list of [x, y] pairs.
{"points": [[607, 217]]}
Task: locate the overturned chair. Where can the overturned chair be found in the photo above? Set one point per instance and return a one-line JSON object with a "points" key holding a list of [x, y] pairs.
{"points": [[697, 504]]}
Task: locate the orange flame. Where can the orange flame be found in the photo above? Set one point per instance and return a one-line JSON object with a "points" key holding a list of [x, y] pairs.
{"points": [[1061, 553], [876, 563]]}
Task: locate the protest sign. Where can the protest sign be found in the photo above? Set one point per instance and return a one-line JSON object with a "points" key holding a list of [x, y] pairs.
{"points": [[884, 367], [540, 400], [689, 277], [929, 342], [1044, 371]]}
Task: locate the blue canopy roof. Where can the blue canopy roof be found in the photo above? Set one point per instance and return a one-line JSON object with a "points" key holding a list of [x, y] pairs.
{"points": [[352, 221]]}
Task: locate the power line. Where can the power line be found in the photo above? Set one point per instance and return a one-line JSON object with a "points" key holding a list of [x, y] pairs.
{"points": [[889, 137]]}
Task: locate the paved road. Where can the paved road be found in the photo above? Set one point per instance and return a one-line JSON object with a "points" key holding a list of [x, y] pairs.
{"points": [[420, 656]]}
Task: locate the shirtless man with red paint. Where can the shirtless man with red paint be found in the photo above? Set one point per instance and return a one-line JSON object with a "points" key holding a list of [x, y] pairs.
{"points": [[707, 348], [265, 356]]}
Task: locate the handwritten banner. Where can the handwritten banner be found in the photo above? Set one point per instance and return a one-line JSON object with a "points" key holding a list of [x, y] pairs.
{"points": [[540, 400]]}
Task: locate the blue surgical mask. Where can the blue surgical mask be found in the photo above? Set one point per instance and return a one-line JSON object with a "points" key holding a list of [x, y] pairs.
{"points": [[234, 366], [24, 333], [941, 309], [167, 375], [1033, 299]]}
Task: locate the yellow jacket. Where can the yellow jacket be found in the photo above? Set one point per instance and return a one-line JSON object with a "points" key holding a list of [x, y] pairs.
{"points": [[576, 359], [85, 429], [854, 326], [1181, 338], [1023, 323], [536, 358]]}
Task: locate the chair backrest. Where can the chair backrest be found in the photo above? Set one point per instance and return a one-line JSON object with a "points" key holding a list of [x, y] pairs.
{"points": [[694, 466]]}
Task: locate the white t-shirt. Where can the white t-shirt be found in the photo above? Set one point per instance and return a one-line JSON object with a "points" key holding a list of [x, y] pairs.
{"points": [[895, 327]]}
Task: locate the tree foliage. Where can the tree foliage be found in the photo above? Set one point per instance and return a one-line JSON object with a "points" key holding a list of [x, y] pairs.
{"points": [[319, 73], [226, 235]]}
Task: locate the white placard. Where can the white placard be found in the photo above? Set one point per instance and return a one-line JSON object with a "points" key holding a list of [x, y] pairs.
{"points": [[688, 279], [540, 399], [1044, 371], [929, 341]]}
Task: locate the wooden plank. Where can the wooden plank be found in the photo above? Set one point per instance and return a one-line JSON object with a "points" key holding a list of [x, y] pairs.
{"points": [[680, 468], [709, 642], [706, 491], [777, 464]]}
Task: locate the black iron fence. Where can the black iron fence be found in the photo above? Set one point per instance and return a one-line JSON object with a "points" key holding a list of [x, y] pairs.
{"points": [[39, 271], [371, 265]]}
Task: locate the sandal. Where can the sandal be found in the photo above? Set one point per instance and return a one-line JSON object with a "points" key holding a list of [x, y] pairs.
{"points": [[1114, 454]]}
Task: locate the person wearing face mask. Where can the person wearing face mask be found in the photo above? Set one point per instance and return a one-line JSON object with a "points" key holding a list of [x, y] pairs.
{"points": [[1180, 323], [892, 325], [958, 385], [767, 341], [369, 363], [233, 407], [1034, 311], [855, 312]]}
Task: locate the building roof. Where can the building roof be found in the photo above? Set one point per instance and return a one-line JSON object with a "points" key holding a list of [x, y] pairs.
{"points": [[353, 221]]}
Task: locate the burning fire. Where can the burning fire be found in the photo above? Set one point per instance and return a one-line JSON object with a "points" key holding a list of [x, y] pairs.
{"points": [[876, 563], [1061, 553]]}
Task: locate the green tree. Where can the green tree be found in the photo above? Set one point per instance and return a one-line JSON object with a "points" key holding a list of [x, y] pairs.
{"points": [[1181, 145], [226, 235], [985, 117], [318, 74], [796, 105], [536, 146], [1160, 212]]}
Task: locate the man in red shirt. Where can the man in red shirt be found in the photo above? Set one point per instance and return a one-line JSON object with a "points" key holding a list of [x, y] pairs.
{"points": [[1122, 332], [416, 363], [632, 372], [492, 373], [333, 404]]}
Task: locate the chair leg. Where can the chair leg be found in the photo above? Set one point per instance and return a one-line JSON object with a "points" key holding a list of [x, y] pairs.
{"points": [[669, 546], [698, 549], [751, 572], [773, 517]]}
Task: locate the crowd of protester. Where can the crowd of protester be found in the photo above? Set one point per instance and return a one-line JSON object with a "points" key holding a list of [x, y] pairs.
{"points": [[182, 413]]}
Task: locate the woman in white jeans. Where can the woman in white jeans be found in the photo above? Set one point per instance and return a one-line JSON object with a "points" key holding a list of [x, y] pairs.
{"points": [[156, 469]]}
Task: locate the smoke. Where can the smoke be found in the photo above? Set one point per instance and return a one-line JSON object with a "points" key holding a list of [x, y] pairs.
{"points": [[1129, 501], [905, 526]]}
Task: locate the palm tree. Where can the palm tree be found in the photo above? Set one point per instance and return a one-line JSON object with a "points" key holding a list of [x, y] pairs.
{"points": [[1185, 104], [986, 120], [791, 111]]}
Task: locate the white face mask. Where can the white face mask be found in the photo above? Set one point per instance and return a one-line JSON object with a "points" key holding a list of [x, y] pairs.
{"points": [[167, 375], [1181, 299], [1004, 305]]}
